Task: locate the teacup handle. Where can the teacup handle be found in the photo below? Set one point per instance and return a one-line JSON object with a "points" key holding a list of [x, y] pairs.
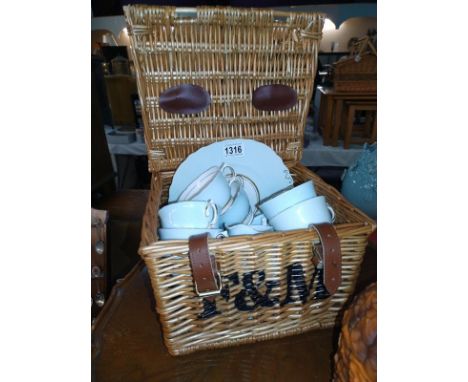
{"points": [[257, 192], [212, 205], [250, 216], [332, 213], [232, 198], [232, 173]]}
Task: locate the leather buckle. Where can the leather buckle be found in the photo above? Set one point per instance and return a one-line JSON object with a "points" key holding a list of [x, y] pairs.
{"points": [[206, 277], [210, 293]]}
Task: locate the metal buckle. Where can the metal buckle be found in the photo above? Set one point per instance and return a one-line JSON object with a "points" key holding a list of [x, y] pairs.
{"points": [[317, 252], [210, 292]]}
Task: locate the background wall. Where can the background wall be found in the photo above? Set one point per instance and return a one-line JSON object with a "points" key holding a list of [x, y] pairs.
{"points": [[339, 38]]}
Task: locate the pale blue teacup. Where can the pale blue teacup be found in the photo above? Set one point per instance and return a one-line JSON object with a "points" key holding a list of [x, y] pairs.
{"points": [[239, 211], [301, 215], [248, 196], [244, 229], [185, 233], [189, 214], [213, 184], [284, 199]]}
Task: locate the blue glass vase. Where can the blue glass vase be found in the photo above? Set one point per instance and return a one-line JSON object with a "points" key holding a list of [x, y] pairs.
{"points": [[359, 184]]}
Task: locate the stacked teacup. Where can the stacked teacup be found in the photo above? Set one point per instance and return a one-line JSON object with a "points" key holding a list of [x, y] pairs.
{"points": [[216, 202], [215, 199], [296, 208], [255, 222], [180, 220]]}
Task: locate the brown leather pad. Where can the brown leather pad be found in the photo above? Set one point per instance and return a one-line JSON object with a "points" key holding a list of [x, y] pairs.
{"points": [[274, 97], [184, 99]]}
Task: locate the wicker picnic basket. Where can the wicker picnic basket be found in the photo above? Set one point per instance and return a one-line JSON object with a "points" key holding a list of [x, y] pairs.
{"points": [[358, 71], [270, 286]]}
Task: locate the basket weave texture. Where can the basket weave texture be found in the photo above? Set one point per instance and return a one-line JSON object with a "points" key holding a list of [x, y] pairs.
{"points": [[358, 76], [356, 359], [271, 287], [229, 52]]}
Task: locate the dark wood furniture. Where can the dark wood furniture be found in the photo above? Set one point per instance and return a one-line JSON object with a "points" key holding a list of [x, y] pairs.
{"points": [[120, 91], [102, 173], [331, 111], [125, 207], [127, 344], [370, 125]]}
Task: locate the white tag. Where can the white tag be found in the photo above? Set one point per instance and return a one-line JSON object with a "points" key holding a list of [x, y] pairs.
{"points": [[234, 150]]}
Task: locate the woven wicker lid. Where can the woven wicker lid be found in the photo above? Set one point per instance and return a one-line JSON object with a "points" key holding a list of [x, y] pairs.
{"points": [[230, 53]]}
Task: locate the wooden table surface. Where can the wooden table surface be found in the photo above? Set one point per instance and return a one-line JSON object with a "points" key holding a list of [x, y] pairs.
{"points": [[127, 344]]}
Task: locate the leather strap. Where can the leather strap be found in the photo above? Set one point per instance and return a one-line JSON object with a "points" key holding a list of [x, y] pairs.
{"points": [[206, 279], [329, 251]]}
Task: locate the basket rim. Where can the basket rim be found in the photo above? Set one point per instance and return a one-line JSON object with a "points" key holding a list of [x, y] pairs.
{"points": [[364, 223], [218, 9], [226, 243]]}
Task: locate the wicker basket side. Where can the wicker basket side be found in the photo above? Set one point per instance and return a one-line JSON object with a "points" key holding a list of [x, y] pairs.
{"points": [[150, 218], [191, 324], [267, 261]]}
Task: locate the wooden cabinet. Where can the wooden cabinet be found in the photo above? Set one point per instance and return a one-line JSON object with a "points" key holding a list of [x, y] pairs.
{"points": [[336, 112], [120, 91]]}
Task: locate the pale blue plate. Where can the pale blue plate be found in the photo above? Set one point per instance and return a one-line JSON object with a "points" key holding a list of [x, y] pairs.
{"points": [[253, 159]]}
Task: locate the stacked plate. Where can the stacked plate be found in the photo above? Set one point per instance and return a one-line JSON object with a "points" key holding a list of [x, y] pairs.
{"points": [[238, 187]]}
